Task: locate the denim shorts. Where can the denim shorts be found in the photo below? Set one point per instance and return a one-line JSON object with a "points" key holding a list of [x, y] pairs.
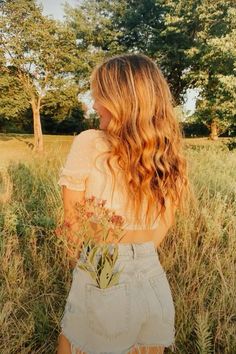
{"points": [[137, 312]]}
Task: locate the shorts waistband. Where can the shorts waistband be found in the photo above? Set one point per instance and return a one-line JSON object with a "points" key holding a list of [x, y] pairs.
{"points": [[133, 250], [139, 249]]}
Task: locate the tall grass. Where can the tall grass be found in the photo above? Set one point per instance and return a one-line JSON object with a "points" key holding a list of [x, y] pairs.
{"points": [[34, 272], [198, 254]]}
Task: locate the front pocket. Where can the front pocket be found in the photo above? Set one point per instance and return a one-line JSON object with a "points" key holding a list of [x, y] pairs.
{"points": [[108, 310], [161, 288]]}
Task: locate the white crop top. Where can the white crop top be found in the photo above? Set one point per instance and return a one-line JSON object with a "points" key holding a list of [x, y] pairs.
{"points": [[81, 174]]}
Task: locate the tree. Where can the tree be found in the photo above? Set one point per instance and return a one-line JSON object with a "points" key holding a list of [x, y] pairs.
{"points": [[92, 29], [136, 26], [40, 58], [192, 41], [213, 65]]}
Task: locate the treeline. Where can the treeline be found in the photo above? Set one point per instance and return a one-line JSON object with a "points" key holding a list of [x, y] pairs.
{"points": [[76, 123], [45, 64], [71, 124]]}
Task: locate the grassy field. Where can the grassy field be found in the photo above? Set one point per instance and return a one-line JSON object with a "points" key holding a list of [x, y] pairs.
{"points": [[198, 254]]}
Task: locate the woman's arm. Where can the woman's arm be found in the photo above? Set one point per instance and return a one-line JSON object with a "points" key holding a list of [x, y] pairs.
{"points": [[166, 221], [70, 198], [73, 177]]}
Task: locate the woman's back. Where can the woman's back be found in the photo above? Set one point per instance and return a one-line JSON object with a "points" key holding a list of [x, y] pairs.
{"points": [[85, 169]]}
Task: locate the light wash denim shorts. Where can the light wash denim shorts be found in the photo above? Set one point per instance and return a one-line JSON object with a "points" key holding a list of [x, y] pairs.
{"points": [[137, 312]]}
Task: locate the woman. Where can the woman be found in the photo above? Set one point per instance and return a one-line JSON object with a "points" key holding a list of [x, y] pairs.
{"points": [[143, 177]]}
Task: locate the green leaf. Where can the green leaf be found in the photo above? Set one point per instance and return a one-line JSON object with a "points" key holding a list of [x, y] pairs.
{"points": [[109, 260], [105, 275], [115, 279], [100, 265], [93, 275], [115, 254], [85, 267], [92, 254]]}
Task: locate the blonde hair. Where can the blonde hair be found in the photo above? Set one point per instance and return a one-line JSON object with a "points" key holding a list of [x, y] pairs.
{"points": [[143, 133]]}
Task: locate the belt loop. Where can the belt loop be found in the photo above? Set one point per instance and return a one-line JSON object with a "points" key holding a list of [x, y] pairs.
{"points": [[134, 251]]}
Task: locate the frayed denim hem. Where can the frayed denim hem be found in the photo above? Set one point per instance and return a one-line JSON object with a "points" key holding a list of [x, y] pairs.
{"points": [[74, 350], [74, 347], [136, 346]]}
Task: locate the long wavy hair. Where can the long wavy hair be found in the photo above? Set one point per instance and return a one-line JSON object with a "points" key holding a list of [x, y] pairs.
{"points": [[144, 134]]}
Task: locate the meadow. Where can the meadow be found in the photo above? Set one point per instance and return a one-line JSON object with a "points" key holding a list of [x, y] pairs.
{"points": [[198, 254]]}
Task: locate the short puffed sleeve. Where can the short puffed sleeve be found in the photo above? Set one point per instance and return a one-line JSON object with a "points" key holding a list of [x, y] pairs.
{"points": [[78, 163]]}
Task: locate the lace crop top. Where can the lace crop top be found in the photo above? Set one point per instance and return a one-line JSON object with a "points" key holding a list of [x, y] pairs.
{"points": [[80, 173]]}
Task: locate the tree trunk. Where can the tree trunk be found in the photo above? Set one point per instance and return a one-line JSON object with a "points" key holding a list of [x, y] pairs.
{"points": [[214, 130], [38, 136]]}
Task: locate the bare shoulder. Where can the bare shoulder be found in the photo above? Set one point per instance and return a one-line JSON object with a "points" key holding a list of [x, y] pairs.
{"points": [[86, 138], [88, 134]]}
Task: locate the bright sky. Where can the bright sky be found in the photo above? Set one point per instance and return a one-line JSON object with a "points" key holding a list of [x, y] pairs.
{"points": [[55, 9]]}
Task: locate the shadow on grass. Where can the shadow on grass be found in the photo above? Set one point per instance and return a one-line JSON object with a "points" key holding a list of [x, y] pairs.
{"points": [[7, 137], [231, 144], [30, 145]]}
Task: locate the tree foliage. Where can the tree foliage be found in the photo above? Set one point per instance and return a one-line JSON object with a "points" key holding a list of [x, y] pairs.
{"points": [[136, 26], [192, 41], [213, 64], [40, 58], [45, 63]]}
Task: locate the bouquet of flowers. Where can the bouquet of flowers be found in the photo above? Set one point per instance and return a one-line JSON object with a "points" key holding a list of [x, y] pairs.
{"points": [[98, 261]]}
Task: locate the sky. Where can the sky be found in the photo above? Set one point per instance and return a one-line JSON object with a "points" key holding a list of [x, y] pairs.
{"points": [[54, 8]]}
